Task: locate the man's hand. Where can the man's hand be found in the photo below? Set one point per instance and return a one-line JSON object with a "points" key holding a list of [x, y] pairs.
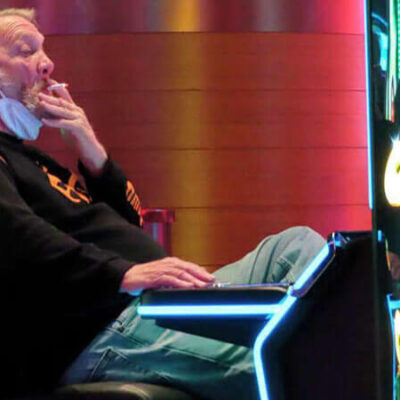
{"points": [[167, 272], [78, 131]]}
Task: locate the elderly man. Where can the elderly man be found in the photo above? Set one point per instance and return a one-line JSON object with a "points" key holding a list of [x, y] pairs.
{"points": [[74, 256]]}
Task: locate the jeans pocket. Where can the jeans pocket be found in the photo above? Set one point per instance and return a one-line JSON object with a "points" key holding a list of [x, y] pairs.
{"points": [[281, 270], [114, 366], [126, 317]]}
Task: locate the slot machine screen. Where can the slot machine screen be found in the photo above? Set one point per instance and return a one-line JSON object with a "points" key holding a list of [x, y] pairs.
{"points": [[383, 97]]}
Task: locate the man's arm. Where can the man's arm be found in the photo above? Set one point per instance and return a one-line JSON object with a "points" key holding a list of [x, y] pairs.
{"points": [[167, 272], [78, 132], [48, 258], [104, 178], [41, 252], [116, 190]]}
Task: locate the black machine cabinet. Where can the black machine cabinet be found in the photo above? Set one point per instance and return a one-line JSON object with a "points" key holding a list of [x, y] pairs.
{"points": [[335, 340], [342, 349]]}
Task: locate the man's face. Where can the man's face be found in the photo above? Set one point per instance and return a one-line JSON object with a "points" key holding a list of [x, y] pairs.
{"points": [[25, 68]]}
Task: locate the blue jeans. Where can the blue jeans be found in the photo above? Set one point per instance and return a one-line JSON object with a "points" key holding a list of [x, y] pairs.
{"points": [[136, 350]]}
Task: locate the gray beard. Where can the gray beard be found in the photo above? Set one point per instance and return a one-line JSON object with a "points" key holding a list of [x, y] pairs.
{"points": [[30, 99]]}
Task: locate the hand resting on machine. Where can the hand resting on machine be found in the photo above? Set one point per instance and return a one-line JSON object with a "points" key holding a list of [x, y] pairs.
{"points": [[168, 272]]}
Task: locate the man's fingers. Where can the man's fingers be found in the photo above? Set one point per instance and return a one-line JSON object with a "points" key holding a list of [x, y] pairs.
{"points": [[173, 282], [57, 110], [187, 277], [57, 101], [169, 271], [67, 124], [194, 269]]}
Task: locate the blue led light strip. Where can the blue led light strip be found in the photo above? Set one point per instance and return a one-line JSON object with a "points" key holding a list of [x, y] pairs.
{"points": [[312, 268], [393, 304], [259, 343], [209, 311], [367, 82]]}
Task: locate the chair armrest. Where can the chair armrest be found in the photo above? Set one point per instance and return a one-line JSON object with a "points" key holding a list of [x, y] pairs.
{"points": [[233, 314]]}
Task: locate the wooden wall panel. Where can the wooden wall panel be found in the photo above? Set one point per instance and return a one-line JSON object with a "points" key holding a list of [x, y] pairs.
{"points": [[195, 119], [246, 178], [123, 16], [299, 131], [238, 106], [229, 233], [242, 134], [209, 61]]}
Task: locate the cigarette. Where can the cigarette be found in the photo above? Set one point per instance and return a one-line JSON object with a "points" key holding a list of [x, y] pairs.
{"points": [[57, 86]]}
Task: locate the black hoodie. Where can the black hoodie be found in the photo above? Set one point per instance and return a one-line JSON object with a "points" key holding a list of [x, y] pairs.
{"points": [[64, 250]]}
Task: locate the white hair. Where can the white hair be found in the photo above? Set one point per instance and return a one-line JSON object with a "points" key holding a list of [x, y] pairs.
{"points": [[27, 13]]}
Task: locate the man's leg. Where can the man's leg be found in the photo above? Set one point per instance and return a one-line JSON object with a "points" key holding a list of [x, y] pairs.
{"points": [[133, 349], [277, 258]]}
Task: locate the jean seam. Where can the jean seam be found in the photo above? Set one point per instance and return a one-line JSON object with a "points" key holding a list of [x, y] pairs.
{"points": [[282, 260], [104, 360], [266, 240], [285, 268], [92, 372], [289, 275], [173, 349]]}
